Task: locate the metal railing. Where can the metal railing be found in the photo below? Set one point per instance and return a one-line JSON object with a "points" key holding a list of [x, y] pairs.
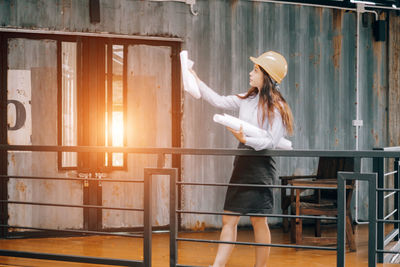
{"points": [[385, 194], [174, 183]]}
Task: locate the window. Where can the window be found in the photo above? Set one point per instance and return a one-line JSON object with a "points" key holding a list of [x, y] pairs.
{"points": [[115, 105], [69, 103], [87, 88]]}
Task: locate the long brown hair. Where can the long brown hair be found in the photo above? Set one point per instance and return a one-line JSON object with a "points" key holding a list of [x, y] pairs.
{"points": [[271, 98]]}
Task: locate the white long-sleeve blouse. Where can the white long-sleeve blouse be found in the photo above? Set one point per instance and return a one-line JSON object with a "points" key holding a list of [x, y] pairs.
{"points": [[249, 112]]}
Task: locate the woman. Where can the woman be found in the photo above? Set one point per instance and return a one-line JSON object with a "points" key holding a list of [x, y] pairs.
{"points": [[263, 106]]}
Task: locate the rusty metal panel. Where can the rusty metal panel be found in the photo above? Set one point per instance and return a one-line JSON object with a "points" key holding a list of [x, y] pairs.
{"points": [[320, 46], [394, 80], [120, 16], [39, 59], [149, 125]]}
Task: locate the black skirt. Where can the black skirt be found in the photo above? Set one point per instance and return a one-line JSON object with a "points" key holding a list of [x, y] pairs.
{"points": [[251, 170]]}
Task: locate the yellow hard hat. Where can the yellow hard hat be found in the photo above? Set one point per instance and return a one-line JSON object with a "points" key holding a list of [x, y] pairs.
{"points": [[273, 63]]}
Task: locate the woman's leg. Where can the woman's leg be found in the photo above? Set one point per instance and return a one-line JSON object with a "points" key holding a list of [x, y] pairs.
{"points": [[261, 235], [228, 233]]}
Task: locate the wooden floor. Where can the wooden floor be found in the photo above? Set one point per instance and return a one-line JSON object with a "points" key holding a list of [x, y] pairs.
{"points": [[199, 254]]}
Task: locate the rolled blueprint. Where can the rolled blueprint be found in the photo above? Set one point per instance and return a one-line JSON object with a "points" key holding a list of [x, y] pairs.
{"points": [[284, 144], [249, 129], [189, 81], [234, 123]]}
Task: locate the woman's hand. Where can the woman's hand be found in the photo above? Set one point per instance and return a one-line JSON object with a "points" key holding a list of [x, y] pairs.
{"points": [[238, 134]]}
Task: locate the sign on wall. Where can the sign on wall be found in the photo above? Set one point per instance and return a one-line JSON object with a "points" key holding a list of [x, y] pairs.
{"points": [[19, 116]]}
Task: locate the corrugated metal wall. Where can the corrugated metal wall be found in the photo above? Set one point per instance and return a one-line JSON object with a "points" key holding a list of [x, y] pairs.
{"points": [[319, 44], [394, 81]]}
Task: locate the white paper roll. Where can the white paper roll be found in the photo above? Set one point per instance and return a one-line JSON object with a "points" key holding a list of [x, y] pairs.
{"points": [[249, 129], [284, 144], [189, 81], [235, 123]]}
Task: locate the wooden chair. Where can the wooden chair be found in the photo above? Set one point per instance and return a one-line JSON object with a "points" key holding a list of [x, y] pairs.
{"points": [[321, 203]]}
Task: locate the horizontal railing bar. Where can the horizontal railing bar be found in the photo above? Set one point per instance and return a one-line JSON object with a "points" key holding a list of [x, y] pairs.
{"points": [[388, 189], [68, 205], [387, 221], [390, 173], [390, 236], [256, 185], [209, 151], [254, 244], [257, 215], [387, 251], [389, 195], [69, 179], [69, 258], [390, 214], [392, 148], [72, 231]]}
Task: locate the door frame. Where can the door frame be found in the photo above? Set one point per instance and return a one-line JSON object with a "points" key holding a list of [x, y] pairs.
{"points": [[176, 104]]}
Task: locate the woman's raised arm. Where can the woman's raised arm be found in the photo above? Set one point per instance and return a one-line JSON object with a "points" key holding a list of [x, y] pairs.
{"points": [[231, 102]]}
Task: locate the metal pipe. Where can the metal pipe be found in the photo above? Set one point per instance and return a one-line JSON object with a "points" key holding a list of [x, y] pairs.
{"points": [[304, 4], [72, 231], [327, 6], [191, 3], [258, 185], [390, 173], [387, 221], [360, 8], [253, 244], [389, 195], [389, 215], [341, 222], [387, 251], [147, 218], [388, 189], [358, 74], [258, 215], [389, 237], [68, 205], [210, 151], [69, 179], [392, 148], [69, 258]]}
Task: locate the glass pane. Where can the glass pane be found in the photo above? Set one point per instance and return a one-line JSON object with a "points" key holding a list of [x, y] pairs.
{"points": [[69, 103], [117, 103], [106, 104]]}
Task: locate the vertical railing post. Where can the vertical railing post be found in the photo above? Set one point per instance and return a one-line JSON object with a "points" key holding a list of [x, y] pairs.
{"points": [[378, 167], [173, 248], [372, 183], [397, 197], [372, 226], [147, 219], [341, 220], [147, 244]]}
